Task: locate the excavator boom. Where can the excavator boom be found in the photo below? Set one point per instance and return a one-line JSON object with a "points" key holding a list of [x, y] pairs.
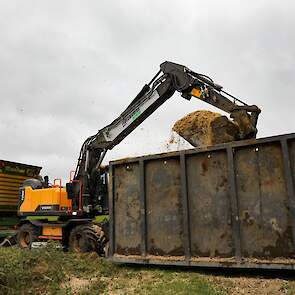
{"points": [[170, 78]]}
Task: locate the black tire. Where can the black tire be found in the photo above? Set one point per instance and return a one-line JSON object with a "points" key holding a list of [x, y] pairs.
{"points": [[8, 241], [26, 235], [84, 238]]}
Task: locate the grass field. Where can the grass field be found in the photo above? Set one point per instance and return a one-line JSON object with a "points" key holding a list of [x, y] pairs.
{"points": [[50, 271]]}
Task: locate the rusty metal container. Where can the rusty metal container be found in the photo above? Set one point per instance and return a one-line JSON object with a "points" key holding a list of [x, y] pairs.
{"points": [[230, 205], [12, 176]]}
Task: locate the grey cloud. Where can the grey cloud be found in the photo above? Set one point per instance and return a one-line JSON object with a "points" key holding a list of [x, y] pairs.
{"points": [[68, 68]]}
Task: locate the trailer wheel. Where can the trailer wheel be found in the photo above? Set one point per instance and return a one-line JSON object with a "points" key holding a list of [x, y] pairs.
{"points": [[83, 238], [26, 235]]}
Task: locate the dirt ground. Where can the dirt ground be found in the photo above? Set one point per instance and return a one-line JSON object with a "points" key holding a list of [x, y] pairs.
{"points": [[235, 285], [254, 282]]}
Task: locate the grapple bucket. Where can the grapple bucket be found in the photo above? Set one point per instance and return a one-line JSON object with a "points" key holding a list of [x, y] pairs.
{"points": [[205, 128]]}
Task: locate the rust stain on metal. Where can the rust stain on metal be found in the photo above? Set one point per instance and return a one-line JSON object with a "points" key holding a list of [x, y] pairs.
{"points": [[164, 207], [209, 205], [127, 218]]}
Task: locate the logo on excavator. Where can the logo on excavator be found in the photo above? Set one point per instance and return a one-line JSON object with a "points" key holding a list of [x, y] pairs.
{"points": [[133, 116], [136, 115]]}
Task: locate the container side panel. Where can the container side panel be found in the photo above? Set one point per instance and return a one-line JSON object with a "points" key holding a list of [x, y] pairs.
{"points": [[209, 203], [290, 165], [292, 159], [263, 210], [164, 207], [192, 208], [127, 209]]}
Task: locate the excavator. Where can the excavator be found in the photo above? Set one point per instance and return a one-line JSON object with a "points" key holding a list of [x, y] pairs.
{"points": [[68, 213]]}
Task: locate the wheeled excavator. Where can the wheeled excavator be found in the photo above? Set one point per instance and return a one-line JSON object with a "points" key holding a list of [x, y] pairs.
{"points": [[67, 213]]}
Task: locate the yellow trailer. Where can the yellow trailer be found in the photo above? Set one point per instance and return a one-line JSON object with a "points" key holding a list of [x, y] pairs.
{"points": [[12, 175]]}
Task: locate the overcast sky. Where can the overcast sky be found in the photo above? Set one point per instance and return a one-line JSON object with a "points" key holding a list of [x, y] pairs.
{"points": [[68, 68]]}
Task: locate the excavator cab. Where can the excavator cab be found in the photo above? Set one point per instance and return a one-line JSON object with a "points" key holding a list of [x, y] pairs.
{"points": [[81, 203]]}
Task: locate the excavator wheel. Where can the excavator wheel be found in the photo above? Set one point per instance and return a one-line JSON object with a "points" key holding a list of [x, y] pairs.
{"points": [[86, 238], [8, 241], [26, 235]]}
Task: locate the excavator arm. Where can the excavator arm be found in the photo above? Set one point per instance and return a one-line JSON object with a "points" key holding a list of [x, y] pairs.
{"points": [[170, 78], [189, 84]]}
